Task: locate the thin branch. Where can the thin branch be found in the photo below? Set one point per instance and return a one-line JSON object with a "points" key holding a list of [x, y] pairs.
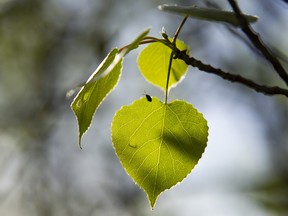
{"points": [[172, 54], [267, 90], [257, 42], [147, 40], [179, 29]]}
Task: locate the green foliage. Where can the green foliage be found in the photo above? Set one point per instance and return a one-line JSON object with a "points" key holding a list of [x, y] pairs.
{"points": [[209, 14], [153, 63], [158, 144], [98, 86]]}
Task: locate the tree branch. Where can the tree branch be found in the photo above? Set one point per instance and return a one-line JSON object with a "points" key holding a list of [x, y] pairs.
{"points": [[228, 76], [257, 42]]}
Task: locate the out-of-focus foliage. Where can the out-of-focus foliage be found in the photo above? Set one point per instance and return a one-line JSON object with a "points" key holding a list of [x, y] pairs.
{"points": [[47, 47], [272, 194], [210, 14]]}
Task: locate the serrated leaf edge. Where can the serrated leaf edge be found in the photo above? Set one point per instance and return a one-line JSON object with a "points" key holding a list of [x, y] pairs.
{"points": [[122, 107], [89, 81]]}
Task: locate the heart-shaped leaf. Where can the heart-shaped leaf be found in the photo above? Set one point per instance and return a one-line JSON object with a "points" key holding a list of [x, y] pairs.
{"points": [[153, 63], [158, 144]]}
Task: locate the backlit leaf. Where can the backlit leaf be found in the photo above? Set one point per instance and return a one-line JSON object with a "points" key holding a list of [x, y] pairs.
{"points": [[100, 84], [153, 63], [91, 95], [158, 144]]}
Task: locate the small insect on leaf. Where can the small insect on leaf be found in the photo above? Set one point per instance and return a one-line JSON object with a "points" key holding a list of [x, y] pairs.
{"points": [[148, 97]]}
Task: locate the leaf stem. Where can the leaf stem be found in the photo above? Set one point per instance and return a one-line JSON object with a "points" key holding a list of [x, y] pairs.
{"points": [[171, 56], [168, 76], [153, 40], [150, 39], [179, 29]]}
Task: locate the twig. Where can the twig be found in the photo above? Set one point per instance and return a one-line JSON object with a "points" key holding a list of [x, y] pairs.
{"points": [[171, 56], [257, 42], [267, 90], [179, 29]]}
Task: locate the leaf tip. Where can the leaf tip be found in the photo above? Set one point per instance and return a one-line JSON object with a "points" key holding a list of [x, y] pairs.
{"points": [[164, 6], [160, 7], [79, 141], [80, 145], [152, 201]]}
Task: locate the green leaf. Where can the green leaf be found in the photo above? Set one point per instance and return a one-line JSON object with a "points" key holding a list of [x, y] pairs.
{"points": [[98, 86], [153, 63], [158, 144], [209, 14]]}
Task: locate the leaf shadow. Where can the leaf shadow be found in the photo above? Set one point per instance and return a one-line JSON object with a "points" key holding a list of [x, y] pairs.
{"points": [[190, 148]]}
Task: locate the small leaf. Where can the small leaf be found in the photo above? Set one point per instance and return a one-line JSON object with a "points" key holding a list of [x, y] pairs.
{"points": [[164, 33], [98, 86], [153, 63], [209, 14], [158, 144]]}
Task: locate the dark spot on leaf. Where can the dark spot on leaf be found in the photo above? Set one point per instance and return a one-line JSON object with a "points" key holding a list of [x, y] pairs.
{"points": [[148, 97]]}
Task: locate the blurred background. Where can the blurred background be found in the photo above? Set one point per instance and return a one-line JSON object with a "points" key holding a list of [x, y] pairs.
{"points": [[48, 47]]}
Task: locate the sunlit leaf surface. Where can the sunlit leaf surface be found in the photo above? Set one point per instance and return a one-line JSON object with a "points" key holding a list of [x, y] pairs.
{"points": [[158, 144], [153, 63], [91, 95], [100, 84]]}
